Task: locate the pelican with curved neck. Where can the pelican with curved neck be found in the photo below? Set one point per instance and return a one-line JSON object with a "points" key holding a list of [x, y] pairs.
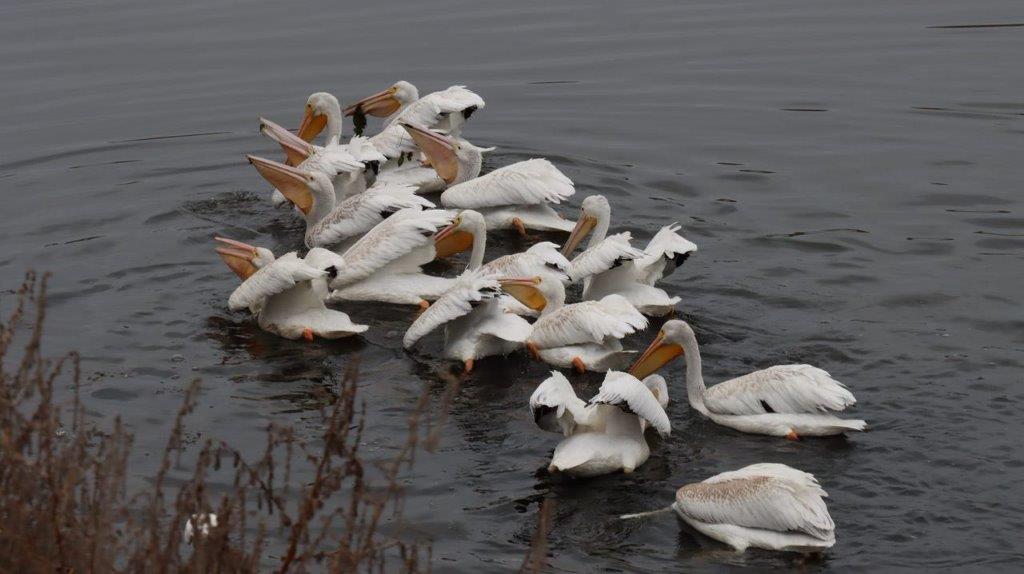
{"points": [[467, 230], [595, 219], [322, 110], [784, 400], [610, 264]]}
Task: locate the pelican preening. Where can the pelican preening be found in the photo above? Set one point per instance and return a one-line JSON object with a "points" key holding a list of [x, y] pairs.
{"points": [[784, 400], [605, 434], [370, 232], [770, 506]]}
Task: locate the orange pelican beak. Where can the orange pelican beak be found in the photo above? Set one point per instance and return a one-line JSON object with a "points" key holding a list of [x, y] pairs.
{"points": [[237, 256], [439, 149], [293, 183], [295, 148], [657, 355], [312, 124], [380, 105], [525, 290], [452, 240], [584, 225]]}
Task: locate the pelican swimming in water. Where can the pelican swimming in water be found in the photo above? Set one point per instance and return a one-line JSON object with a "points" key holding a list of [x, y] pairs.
{"points": [[328, 224], [603, 435], [286, 294], [384, 265], [420, 173], [475, 322], [611, 265], [469, 231], [767, 505], [446, 110], [343, 163], [517, 196], [784, 400], [586, 335]]}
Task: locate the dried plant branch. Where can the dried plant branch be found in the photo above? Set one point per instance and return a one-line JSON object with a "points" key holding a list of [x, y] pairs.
{"points": [[64, 504]]}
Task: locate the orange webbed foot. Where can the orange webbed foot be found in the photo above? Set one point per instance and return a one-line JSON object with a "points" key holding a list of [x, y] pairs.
{"points": [[519, 225], [579, 365]]}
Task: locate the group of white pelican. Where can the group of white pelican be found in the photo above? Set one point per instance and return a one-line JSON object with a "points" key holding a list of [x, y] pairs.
{"points": [[370, 229]]}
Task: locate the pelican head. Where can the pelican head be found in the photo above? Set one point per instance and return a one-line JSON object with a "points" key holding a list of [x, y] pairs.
{"points": [[320, 107], [242, 258], [594, 210], [667, 345], [526, 290], [459, 236], [298, 186], [383, 104]]}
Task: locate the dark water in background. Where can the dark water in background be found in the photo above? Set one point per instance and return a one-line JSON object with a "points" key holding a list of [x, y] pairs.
{"points": [[851, 174]]}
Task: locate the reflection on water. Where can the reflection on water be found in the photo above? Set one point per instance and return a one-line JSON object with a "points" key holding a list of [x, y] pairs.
{"points": [[850, 172]]}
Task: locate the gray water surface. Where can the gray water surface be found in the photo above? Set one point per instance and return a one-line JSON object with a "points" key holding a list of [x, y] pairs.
{"points": [[850, 170]]}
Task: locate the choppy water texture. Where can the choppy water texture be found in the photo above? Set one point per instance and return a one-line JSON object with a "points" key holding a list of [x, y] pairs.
{"points": [[851, 171]]}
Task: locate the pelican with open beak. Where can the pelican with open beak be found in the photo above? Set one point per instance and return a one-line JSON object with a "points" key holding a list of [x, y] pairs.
{"points": [[332, 224], [443, 155], [474, 317], [342, 164], [384, 103], [784, 400], [294, 183], [242, 258], [606, 433], [286, 294]]}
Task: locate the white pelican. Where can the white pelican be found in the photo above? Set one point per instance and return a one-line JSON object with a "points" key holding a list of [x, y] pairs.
{"points": [[344, 163], [469, 230], [286, 294], [516, 196], [384, 265], [784, 400], [463, 166], [328, 224], [611, 265], [605, 435], [767, 505], [447, 109], [442, 110], [476, 324], [586, 335]]}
